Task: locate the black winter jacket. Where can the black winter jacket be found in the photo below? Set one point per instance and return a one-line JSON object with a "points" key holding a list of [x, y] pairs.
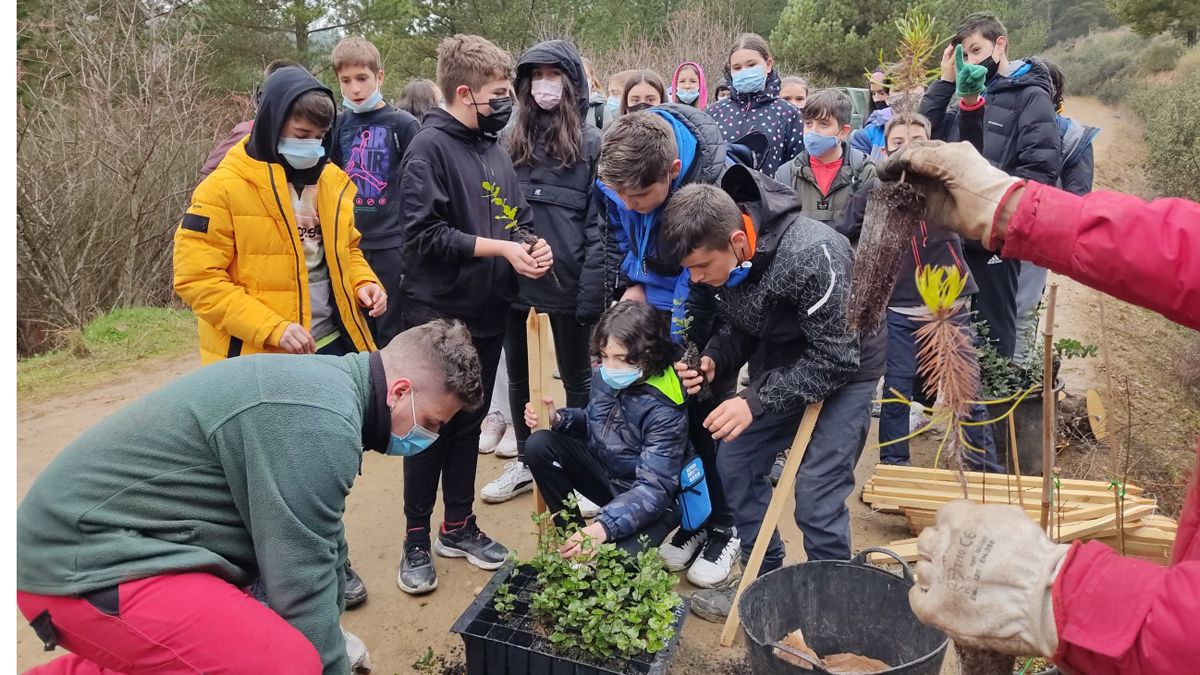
{"points": [[1020, 135], [764, 112], [787, 319], [370, 148], [444, 210], [640, 435], [564, 213]]}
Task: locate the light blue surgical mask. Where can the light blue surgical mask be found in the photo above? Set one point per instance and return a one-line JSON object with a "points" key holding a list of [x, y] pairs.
{"points": [[366, 106], [301, 153], [613, 104], [750, 80], [818, 144], [417, 440], [620, 378], [688, 95]]}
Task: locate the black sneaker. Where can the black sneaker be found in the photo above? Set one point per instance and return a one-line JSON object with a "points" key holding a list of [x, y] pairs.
{"points": [[417, 574], [468, 541], [777, 468], [355, 593]]}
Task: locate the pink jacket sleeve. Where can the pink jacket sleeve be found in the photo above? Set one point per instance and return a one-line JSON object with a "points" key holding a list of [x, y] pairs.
{"points": [[1144, 253], [218, 152], [1119, 615]]}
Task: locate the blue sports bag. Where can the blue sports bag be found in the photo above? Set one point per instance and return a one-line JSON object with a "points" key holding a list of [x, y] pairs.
{"points": [[694, 503]]}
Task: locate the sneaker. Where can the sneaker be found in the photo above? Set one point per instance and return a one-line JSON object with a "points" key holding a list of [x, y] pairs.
{"points": [[507, 448], [679, 552], [515, 480], [777, 468], [587, 508], [716, 560], [417, 574], [468, 541], [355, 593], [494, 427], [714, 604]]}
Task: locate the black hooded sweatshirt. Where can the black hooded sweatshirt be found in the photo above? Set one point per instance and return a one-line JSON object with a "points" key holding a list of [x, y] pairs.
{"points": [[443, 210], [787, 319], [564, 213], [279, 94]]}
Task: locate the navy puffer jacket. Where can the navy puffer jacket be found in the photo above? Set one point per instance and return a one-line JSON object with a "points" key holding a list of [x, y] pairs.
{"points": [[766, 113], [640, 435]]}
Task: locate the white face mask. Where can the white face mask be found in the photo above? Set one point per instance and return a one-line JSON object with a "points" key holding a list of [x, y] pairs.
{"points": [[547, 93], [301, 153]]}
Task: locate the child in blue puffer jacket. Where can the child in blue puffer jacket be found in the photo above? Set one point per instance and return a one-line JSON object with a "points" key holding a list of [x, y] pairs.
{"points": [[625, 451]]}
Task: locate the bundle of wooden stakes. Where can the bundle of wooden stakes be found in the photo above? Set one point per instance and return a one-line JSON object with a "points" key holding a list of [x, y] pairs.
{"points": [[1082, 509]]}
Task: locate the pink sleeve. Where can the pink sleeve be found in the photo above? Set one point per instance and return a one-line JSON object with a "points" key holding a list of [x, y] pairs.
{"points": [[1144, 253]]}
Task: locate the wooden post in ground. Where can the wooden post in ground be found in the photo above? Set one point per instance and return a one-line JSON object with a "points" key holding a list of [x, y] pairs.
{"points": [[539, 343], [779, 499], [1048, 410], [1099, 418]]}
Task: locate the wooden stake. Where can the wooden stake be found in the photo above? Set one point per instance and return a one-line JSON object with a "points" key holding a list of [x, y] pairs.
{"points": [[779, 499], [1016, 459], [534, 357], [1114, 448], [1048, 410]]}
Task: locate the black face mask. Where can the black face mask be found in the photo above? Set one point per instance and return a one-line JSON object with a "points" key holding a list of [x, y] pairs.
{"points": [[878, 105], [639, 107], [490, 125], [992, 68]]}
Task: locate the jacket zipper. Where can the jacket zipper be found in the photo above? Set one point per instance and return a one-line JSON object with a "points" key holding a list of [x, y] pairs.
{"points": [[295, 250]]}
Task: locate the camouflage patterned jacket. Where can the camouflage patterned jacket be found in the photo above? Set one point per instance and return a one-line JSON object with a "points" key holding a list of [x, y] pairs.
{"points": [[641, 436]]}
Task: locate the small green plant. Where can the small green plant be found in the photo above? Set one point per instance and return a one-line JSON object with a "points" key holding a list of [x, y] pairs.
{"points": [[603, 602], [425, 664], [916, 51], [1068, 348], [682, 327], [508, 216]]}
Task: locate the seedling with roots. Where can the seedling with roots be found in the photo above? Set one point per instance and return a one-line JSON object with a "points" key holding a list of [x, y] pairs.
{"points": [[508, 216], [911, 70], [682, 326]]}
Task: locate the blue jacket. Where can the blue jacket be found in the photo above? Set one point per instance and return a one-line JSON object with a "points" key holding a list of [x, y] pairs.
{"points": [[640, 435], [871, 139], [1078, 160], [703, 155]]}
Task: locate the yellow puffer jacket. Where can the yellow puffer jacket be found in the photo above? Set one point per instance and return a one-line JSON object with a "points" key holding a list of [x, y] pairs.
{"points": [[240, 266]]}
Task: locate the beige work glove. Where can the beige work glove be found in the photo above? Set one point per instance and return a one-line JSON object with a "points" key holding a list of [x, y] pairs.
{"points": [[984, 577], [963, 192], [356, 650]]}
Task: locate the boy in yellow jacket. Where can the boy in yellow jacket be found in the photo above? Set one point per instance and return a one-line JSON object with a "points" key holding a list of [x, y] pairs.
{"points": [[267, 254]]}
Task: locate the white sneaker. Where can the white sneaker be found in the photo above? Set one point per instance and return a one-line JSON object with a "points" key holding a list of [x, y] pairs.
{"points": [[716, 559], [507, 447], [587, 507], [916, 417], [677, 553], [515, 480], [494, 427]]}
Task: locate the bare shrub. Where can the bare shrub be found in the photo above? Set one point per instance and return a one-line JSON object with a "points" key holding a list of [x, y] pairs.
{"points": [[113, 124]]}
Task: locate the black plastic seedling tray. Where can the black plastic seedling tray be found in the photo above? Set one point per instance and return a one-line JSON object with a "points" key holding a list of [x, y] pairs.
{"points": [[508, 645]]}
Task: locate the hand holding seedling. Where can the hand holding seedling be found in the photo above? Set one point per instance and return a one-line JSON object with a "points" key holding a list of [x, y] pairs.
{"points": [[691, 379], [984, 577], [970, 79], [963, 192], [522, 261], [374, 297], [586, 540], [296, 340], [730, 419], [531, 415]]}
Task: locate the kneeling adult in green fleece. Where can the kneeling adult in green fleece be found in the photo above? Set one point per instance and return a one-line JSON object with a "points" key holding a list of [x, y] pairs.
{"points": [[160, 516]]}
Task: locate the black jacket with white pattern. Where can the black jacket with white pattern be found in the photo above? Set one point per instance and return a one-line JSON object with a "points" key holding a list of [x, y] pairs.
{"points": [[787, 319]]}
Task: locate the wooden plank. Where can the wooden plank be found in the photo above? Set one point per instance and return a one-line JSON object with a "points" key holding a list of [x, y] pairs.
{"points": [[779, 499], [1106, 524], [1070, 515], [946, 496], [946, 475], [997, 488]]}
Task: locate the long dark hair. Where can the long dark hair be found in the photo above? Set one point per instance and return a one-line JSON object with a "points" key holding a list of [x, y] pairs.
{"points": [[418, 98], [644, 333], [565, 140]]}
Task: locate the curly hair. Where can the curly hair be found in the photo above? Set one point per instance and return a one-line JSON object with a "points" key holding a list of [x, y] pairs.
{"points": [[642, 330], [444, 351]]}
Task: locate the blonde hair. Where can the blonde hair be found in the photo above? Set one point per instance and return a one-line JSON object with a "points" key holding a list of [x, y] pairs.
{"points": [[356, 51], [472, 61]]}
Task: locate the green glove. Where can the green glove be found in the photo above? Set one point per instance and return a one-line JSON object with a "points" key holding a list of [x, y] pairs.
{"points": [[969, 79]]}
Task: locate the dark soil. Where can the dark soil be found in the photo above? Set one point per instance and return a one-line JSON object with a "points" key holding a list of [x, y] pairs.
{"points": [[894, 212], [691, 357]]}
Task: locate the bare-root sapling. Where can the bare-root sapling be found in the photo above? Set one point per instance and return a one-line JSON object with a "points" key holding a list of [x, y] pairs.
{"points": [[894, 212]]}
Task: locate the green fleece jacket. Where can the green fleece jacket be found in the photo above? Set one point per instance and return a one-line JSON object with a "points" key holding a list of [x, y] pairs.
{"points": [[238, 469]]}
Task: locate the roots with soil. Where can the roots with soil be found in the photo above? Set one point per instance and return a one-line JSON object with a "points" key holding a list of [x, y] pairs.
{"points": [[894, 212]]}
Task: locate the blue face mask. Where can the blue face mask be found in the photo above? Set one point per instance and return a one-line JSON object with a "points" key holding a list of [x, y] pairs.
{"points": [[738, 274], [367, 105], [613, 103], [417, 440], [818, 144], [688, 95], [620, 378], [301, 153], [750, 80]]}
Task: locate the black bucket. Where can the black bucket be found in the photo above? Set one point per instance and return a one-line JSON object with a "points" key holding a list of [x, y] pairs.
{"points": [[843, 606], [1028, 419]]}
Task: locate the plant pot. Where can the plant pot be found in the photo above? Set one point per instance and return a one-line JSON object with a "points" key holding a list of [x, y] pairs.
{"points": [[509, 645], [1028, 419], [842, 606]]}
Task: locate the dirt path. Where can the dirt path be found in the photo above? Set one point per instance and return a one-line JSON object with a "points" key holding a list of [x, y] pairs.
{"points": [[398, 628]]}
